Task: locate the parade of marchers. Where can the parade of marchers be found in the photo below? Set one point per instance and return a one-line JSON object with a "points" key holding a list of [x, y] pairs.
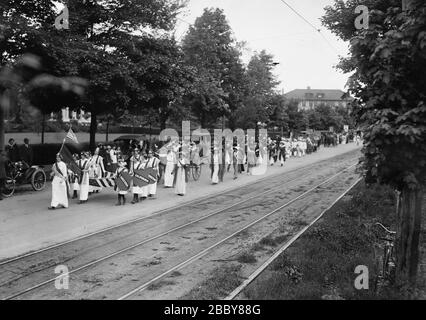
{"points": [[143, 166]]}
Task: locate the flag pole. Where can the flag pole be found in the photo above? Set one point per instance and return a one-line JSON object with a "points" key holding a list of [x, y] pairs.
{"points": [[63, 143]]}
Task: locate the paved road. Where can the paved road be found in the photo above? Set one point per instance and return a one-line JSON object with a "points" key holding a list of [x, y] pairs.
{"points": [[27, 225]]}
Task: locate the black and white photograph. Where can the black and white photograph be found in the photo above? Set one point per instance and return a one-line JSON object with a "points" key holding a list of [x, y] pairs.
{"points": [[212, 155]]}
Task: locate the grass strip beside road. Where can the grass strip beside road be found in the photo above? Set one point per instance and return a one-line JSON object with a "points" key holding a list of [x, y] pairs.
{"points": [[321, 263]]}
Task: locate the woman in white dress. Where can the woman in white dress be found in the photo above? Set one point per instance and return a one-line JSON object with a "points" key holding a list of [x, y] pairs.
{"points": [[121, 193], [98, 169], [59, 184], [168, 174], [74, 179], [215, 166], [84, 165], [154, 163], [136, 165], [180, 177]]}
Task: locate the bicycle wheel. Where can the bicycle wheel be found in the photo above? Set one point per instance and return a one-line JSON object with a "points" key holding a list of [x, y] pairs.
{"points": [[9, 187], [196, 172]]}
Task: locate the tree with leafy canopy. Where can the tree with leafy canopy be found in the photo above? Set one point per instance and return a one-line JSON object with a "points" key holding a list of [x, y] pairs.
{"points": [[104, 25], [388, 61], [259, 91], [279, 116], [297, 120], [210, 49], [162, 74], [89, 47]]}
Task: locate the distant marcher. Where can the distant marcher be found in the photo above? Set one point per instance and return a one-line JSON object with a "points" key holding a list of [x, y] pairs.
{"points": [[26, 153], [13, 151], [59, 184], [215, 166], [137, 164], [121, 193], [154, 163], [168, 174], [74, 179], [97, 169], [180, 176], [84, 165]]}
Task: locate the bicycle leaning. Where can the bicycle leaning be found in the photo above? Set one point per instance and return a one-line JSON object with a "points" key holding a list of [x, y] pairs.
{"points": [[386, 274]]}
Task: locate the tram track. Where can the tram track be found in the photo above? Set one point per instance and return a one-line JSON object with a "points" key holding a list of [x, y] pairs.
{"points": [[163, 234]]}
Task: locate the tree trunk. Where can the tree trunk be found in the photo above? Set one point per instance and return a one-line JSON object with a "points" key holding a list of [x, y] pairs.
{"points": [[93, 129], [43, 127], [409, 212], [107, 130], [2, 126]]}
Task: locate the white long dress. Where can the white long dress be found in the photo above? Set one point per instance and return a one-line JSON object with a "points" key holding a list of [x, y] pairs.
{"points": [[59, 185], [152, 163], [75, 183], [180, 187], [168, 176], [97, 170], [84, 185], [215, 176], [137, 165], [144, 190]]}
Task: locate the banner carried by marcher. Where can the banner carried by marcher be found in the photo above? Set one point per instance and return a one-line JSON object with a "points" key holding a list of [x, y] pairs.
{"points": [[152, 175], [124, 181], [141, 177]]}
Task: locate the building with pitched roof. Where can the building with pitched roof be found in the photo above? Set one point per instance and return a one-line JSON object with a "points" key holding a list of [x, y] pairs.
{"points": [[311, 98]]}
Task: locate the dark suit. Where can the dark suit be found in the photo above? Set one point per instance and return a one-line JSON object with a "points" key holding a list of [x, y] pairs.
{"points": [[13, 153], [27, 155]]}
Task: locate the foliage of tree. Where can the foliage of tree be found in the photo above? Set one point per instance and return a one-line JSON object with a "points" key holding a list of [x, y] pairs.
{"points": [[389, 63], [259, 91], [219, 73]]}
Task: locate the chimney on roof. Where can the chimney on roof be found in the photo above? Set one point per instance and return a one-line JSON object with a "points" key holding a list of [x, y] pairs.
{"points": [[309, 88]]}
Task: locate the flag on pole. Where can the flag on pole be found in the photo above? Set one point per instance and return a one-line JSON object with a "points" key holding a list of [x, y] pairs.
{"points": [[71, 135], [69, 160]]}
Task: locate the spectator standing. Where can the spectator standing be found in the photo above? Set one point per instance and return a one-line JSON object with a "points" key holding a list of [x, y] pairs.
{"points": [[26, 153], [13, 151]]}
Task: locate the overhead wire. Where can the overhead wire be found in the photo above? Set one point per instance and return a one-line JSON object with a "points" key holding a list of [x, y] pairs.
{"points": [[311, 25]]}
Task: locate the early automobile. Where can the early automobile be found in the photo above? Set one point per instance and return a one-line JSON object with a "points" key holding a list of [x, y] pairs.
{"points": [[20, 173]]}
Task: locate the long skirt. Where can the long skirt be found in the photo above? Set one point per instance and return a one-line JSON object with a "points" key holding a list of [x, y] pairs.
{"points": [[84, 188], [144, 193], [137, 190], [59, 193], [180, 187], [152, 189], [75, 186], [168, 176], [215, 176]]}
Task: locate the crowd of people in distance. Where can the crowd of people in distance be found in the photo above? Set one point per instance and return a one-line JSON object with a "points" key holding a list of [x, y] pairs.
{"points": [[172, 161]]}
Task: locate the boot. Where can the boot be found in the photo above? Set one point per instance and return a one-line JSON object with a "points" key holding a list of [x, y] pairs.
{"points": [[135, 199], [119, 200], [74, 195]]}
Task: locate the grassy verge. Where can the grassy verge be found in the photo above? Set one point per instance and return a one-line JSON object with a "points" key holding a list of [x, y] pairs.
{"points": [[321, 264]]}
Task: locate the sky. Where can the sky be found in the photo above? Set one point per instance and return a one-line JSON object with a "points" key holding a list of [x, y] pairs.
{"points": [[305, 57]]}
